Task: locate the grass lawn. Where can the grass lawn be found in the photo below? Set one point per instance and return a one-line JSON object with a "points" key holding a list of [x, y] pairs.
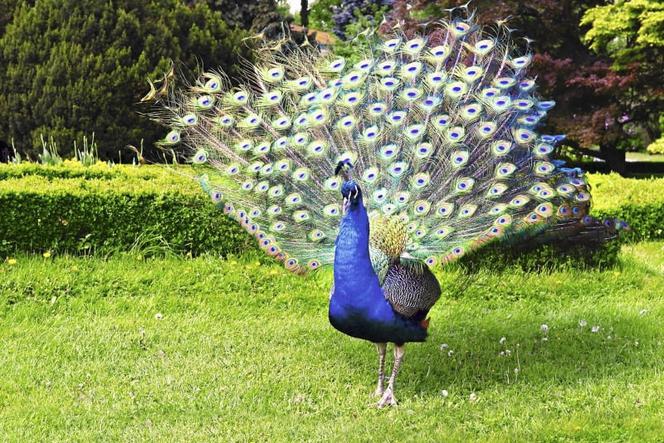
{"points": [[196, 350], [644, 157]]}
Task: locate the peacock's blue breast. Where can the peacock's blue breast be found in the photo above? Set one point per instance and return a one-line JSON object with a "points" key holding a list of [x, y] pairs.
{"points": [[375, 321]]}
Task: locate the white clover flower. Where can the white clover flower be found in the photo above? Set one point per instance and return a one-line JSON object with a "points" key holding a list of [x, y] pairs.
{"points": [[636, 343], [450, 353], [444, 393], [595, 329], [643, 312], [544, 328], [472, 397], [503, 340], [545, 338], [502, 353], [516, 370], [583, 323], [158, 316], [444, 346], [508, 352]]}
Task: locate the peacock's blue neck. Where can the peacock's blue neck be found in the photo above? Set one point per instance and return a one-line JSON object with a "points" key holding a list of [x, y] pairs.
{"points": [[354, 276], [358, 306]]}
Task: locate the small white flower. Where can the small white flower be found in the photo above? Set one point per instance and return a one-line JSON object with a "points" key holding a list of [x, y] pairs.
{"points": [[444, 393], [473, 397], [508, 352], [643, 312], [544, 328], [158, 316], [516, 370], [502, 353], [444, 346], [595, 329], [450, 353], [545, 338], [636, 343], [583, 323], [503, 340], [608, 337]]}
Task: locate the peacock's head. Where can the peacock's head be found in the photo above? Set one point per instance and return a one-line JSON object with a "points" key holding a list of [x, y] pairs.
{"points": [[352, 195], [350, 191]]}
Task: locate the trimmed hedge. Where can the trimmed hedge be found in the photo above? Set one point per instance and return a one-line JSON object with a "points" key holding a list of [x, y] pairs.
{"points": [[149, 208], [106, 208], [100, 170], [639, 202]]}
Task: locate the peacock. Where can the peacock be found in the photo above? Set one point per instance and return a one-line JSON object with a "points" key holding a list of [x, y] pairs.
{"points": [[384, 165]]}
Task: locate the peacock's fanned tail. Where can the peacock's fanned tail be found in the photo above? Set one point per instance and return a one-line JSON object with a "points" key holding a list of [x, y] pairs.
{"points": [[441, 136]]}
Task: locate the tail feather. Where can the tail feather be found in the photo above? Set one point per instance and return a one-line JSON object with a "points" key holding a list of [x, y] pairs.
{"points": [[441, 135]]}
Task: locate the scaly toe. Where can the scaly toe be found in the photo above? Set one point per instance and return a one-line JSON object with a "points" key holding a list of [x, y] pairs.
{"points": [[379, 392], [387, 399]]}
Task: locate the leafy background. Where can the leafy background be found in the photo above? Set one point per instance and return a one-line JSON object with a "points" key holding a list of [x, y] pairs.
{"points": [[69, 69]]}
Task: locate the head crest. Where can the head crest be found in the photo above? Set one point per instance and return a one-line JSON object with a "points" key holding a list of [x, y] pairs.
{"points": [[344, 166]]}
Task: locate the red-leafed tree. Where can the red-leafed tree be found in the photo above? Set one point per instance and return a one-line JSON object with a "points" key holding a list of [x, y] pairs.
{"points": [[593, 100]]}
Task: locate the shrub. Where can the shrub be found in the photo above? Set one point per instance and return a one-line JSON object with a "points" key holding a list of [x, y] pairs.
{"points": [[117, 210], [104, 207], [639, 202], [73, 67], [656, 147], [254, 15]]}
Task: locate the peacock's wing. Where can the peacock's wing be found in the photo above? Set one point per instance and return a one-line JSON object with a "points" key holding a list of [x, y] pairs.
{"points": [[441, 133], [411, 289]]}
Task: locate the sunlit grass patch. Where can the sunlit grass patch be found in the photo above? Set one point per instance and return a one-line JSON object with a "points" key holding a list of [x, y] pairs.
{"points": [[241, 350]]}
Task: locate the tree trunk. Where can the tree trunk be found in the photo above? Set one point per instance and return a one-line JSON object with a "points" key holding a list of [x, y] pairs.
{"points": [[615, 158], [304, 12]]}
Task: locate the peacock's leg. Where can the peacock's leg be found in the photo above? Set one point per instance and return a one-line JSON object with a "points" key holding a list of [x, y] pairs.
{"points": [[388, 396], [381, 348]]}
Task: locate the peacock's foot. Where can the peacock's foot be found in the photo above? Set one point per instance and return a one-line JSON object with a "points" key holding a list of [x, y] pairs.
{"points": [[387, 399], [380, 390]]}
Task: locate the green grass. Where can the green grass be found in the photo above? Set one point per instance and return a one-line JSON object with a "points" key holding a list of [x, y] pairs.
{"points": [[644, 157], [243, 351]]}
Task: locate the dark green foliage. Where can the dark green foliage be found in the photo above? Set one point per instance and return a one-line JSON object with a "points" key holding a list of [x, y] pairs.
{"points": [[254, 15], [7, 8], [70, 68], [321, 15]]}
